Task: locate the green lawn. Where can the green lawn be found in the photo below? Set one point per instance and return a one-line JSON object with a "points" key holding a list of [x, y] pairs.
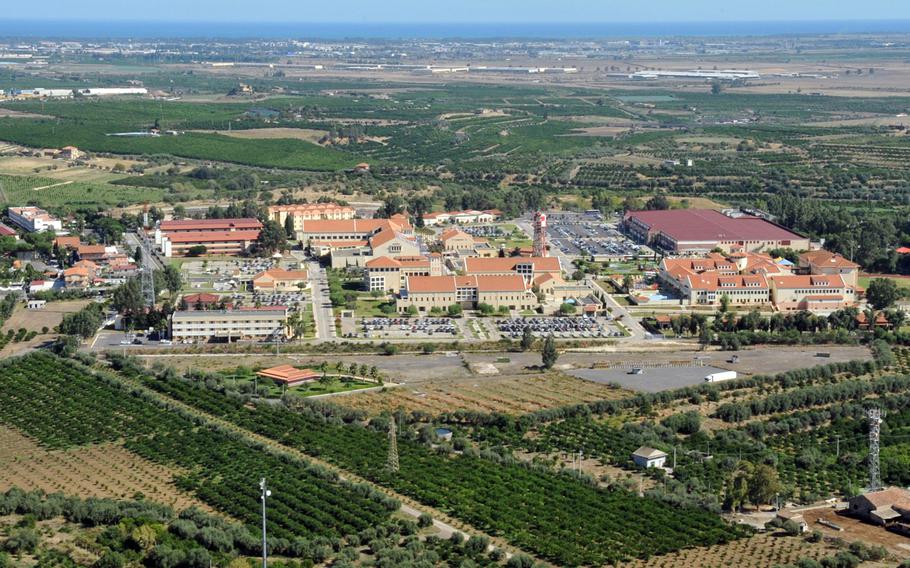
{"points": [[863, 282], [317, 388]]}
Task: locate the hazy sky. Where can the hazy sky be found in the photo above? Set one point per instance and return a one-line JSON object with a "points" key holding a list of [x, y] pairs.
{"points": [[369, 11]]}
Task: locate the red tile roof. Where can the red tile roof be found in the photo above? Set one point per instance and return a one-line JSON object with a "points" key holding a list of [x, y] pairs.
{"points": [[823, 258], [213, 236], [487, 283], [477, 265], [791, 281], [202, 297], [288, 374], [707, 225], [209, 225]]}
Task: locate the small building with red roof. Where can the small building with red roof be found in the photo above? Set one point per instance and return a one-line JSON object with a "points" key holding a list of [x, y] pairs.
{"points": [[288, 375]]}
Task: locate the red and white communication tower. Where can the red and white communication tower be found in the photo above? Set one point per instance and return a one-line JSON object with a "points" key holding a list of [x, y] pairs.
{"points": [[540, 234]]}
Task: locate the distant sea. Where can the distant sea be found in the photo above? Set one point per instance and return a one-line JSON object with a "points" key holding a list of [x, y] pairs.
{"points": [[334, 31]]}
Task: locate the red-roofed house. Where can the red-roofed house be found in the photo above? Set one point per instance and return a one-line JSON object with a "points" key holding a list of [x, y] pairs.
{"points": [[824, 262]]}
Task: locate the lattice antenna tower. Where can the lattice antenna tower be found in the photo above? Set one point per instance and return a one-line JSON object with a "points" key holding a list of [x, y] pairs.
{"points": [[875, 424], [147, 275], [540, 234], [393, 446]]}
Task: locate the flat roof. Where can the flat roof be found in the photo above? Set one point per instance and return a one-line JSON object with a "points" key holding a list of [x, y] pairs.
{"points": [[209, 224], [708, 225]]}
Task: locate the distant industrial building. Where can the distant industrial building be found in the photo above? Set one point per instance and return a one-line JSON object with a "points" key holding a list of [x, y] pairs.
{"points": [[702, 230], [34, 219], [229, 325], [91, 92], [723, 75]]}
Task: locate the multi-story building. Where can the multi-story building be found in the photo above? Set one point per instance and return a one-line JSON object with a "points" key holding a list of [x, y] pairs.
{"points": [[34, 219], [820, 293], [439, 292], [354, 242], [388, 274], [685, 231], [230, 325], [309, 212], [218, 236], [830, 263]]}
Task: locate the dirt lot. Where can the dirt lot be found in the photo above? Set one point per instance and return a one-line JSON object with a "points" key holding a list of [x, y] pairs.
{"points": [[36, 320], [271, 133], [106, 470], [763, 550], [857, 530]]}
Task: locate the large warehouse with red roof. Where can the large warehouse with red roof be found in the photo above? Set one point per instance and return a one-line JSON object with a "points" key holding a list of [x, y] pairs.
{"points": [[701, 230]]}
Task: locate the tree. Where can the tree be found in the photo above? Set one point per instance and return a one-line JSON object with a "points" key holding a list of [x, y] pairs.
{"points": [[724, 303], [567, 309], [717, 87], [454, 310], [289, 227], [882, 293], [764, 484], [527, 339], [548, 354], [271, 238], [658, 202], [179, 211], [412, 310], [196, 250]]}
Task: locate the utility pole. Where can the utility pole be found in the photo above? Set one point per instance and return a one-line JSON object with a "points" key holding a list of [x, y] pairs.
{"points": [[265, 494]]}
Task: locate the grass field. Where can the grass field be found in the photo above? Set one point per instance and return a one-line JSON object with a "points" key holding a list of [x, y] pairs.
{"points": [[902, 282]]}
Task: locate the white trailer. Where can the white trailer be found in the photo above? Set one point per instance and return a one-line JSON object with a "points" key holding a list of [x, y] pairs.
{"points": [[721, 376]]}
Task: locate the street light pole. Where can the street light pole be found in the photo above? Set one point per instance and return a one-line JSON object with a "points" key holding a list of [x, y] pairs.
{"points": [[265, 494]]}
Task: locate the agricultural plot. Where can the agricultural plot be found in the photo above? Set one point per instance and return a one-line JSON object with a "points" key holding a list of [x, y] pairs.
{"points": [[480, 491], [63, 406], [56, 194], [101, 470], [506, 394]]}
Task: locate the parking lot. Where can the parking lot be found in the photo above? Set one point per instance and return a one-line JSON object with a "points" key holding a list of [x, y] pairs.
{"points": [[574, 327], [401, 328], [651, 379], [576, 234], [231, 279]]}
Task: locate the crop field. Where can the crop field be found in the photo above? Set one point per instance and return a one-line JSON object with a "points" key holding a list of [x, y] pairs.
{"points": [[810, 423], [56, 194], [98, 470], [480, 491], [506, 394], [64, 406], [759, 551]]}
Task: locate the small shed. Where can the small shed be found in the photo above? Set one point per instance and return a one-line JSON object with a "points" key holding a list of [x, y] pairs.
{"points": [[649, 457], [790, 515], [444, 434], [35, 304]]}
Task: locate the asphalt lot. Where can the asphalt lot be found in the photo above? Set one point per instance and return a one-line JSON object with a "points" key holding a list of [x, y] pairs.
{"points": [[651, 380]]}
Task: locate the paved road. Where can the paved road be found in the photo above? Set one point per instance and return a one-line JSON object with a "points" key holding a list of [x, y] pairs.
{"points": [[133, 241], [322, 306]]}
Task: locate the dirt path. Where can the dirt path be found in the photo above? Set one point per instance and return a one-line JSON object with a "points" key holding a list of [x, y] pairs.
{"points": [[52, 185], [445, 524]]}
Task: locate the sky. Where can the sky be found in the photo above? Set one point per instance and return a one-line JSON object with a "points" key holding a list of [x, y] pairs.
{"points": [[460, 11]]}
